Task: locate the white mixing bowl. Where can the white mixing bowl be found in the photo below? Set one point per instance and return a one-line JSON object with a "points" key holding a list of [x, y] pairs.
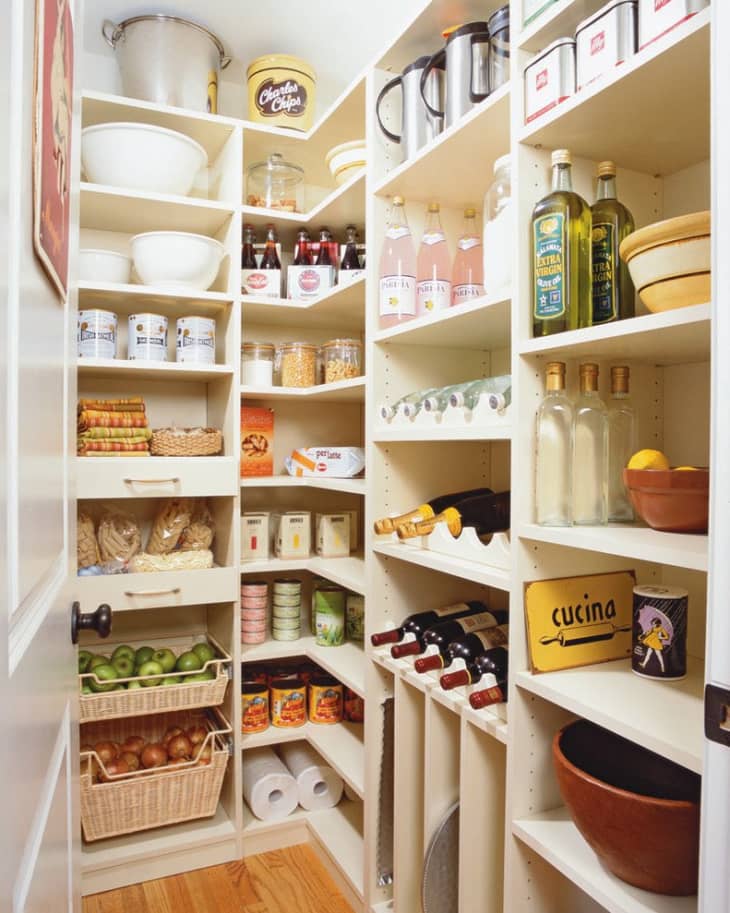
{"points": [[141, 157], [177, 259], [103, 266]]}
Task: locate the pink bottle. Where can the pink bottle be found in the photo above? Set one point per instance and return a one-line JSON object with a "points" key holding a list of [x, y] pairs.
{"points": [[433, 288], [397, 295], [468, 278]]}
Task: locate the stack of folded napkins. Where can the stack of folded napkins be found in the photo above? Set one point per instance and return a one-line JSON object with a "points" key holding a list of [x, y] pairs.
{"points": [[113, 427]]}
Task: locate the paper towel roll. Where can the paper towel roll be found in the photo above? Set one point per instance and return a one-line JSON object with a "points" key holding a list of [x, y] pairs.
{"points": [[268, 787], [318, 785]]}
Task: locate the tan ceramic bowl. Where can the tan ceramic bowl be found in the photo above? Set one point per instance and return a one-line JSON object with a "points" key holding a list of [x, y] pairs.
{"points": [[671, 500], [682, 292], [639, 812]]}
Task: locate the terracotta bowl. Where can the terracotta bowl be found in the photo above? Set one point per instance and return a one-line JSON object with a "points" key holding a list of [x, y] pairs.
{"points": [[639, 812], [671, 500], [682, 292]]}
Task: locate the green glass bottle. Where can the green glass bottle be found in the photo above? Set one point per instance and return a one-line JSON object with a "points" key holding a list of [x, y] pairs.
{"points": [[613, 290], [561, 255]]}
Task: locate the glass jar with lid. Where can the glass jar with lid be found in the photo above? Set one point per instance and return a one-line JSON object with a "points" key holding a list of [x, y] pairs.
{"points": [[342, 359], [257, 364], [275, 184], [298, 364], [497, 239]]}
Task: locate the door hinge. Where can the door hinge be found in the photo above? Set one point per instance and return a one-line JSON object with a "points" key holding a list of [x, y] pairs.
{"points": [[717, 714]]}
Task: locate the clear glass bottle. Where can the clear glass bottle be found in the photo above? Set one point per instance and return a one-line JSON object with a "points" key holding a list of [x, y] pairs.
{"points": [[621, 445], [497, 241], [438, 401], [498, 390], [613, 290], [433, 272], [397, 295], [590, 452], [553, 478], [467, 281], [561, 256]]}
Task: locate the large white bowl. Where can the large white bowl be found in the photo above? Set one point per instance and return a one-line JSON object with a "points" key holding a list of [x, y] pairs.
{"points": [[141, 157], [103, 266], [177, 259]]}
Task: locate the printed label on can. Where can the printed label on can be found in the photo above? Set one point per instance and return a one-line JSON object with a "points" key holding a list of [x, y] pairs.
{"points": [[604, 273], [398, 296], [288, 707], [96, 334], [659, 634], [195, 340], [286, 97], [329, 606], [549, 249], [433, 295], [325, 703], [147, 337], [549, 81], [355, 615], [254, 712], [597, 48]]}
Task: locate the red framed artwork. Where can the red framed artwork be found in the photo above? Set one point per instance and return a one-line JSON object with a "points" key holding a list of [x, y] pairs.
{"points": [[52, 111]]}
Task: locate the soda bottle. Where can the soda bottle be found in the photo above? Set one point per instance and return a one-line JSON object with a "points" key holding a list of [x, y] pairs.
{"points": [[270, 259], [468, 278], [248, 256], [433, 288], [323, 257], [350, 259], [302, 254], [397, 297]]}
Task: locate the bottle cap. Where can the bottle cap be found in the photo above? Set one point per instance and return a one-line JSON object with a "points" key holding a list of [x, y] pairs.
{"points": [[398, 201], [469, 212], [606, 170], [434, 207], [385, 637], [620, 379], [589, 368], [411, 648], [454, 679], [562, 157], [488, 696], [427, 663], [555, 367]]}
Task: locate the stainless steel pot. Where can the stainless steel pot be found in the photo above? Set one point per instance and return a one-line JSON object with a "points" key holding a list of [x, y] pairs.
{"points": [[168, 60], [418, 126]]}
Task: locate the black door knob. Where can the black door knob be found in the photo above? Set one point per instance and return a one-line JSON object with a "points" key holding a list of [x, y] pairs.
{"points": [[99, 621]]}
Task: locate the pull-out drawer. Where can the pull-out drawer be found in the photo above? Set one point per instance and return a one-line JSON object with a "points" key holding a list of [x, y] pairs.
{"points": [[156, 477], [124, 592]]}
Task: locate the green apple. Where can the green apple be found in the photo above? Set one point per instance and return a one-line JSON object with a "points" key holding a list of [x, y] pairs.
{"points": [[188, 662], [105, 673], [172, 680], [132, 686], [143, 655], [200, 677], [86, 689], [84, 659], [166, 658], [148, 671], [123, 650], [124, 666], [204, 652], [97, 660]]}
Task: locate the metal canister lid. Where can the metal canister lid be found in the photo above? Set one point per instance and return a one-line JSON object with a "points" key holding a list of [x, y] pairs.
{"points": [[661, 592]]}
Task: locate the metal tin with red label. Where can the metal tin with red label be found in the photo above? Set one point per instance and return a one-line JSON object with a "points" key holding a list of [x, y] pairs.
{"points": [[657, 17], [549, 78], [604, 40]]}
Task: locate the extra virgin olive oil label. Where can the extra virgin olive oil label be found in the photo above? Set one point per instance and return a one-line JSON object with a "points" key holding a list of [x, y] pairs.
{"points": [[604, 273], [549, 252]]}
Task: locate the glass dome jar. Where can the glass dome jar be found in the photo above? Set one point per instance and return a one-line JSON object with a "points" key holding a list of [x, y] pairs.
{"points": [[497, 238], [275, 184], [342, 359], [257, 364]]}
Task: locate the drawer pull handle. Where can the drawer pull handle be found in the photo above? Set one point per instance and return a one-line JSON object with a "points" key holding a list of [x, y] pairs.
{"points": [[174, 590], [173, 481]]}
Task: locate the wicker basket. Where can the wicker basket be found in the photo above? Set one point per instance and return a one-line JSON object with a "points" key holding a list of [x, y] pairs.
{"points": [[145, 799], [195, 442], [110, 705]]}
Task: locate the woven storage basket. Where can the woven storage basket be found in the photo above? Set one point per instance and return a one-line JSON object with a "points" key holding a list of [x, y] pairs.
{"points": [[110, 705], [143, 800], [199, 442]]}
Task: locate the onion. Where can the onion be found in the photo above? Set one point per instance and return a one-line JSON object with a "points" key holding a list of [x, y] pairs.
{"points": [[113, 768], [171, 733], [154, 755], [197, 734], [134, 743], [179, 747], [175, 762], [130, 759], [107, 751]]}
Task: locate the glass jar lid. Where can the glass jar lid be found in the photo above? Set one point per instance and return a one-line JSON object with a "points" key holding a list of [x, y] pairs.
{"points": [[276, 171], [306, 346], [261, 348], [346, 343]]}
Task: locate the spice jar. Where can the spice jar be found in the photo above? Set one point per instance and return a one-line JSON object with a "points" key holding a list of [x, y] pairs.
{"points": [[342, 359], [275, 184], [298, 364], [257, 364]]}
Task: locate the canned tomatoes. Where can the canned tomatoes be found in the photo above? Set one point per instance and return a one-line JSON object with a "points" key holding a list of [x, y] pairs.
{"points": [[326, 699], [288, 700], [254, 707]]}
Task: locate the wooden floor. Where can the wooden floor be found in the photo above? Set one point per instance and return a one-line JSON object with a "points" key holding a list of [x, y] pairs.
{"points": [[291, 880]]}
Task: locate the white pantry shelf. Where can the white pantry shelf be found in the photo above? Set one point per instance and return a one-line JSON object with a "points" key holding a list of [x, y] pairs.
{"points": [[483, 323], [339, 831], [347, 572], [342, 391], [553, 836], [466, 570], [128, 299], [442, 433], [667, 338], [600, 121], [117, 209], [151, 370], [637, 542], [474, 141], [662, 716], [343, 306], [348, 486]]}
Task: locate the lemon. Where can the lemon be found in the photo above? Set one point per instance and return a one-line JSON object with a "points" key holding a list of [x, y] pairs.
{"points": [[686, 469], [648, 459]]}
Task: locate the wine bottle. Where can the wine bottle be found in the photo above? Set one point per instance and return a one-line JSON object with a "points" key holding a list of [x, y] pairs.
{"points": [[493, 661], [497, 389], [419, 622], [442, 634], [426, 510], [487, 514], [496, 694], [468, 643]]}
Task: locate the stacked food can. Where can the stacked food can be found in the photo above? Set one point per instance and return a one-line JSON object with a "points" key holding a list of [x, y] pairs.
{"points": [[254, 603], [287, 609]]}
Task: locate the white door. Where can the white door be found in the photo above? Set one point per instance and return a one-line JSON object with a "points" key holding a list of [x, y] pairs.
{"points": [[38, 691]]}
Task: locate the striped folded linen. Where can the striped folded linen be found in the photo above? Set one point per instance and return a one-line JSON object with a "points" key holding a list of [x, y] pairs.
{"points": [[116, 434], [91, 418], [127, 446], [134, 404]]}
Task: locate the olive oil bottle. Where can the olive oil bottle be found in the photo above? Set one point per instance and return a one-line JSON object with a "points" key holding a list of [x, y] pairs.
{"points": [[613, 290], [561, 255]]}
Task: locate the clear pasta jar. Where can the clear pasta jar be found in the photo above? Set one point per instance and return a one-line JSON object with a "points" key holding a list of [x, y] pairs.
{"points": [[342, 359], [298, 362], [257, 364]]}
